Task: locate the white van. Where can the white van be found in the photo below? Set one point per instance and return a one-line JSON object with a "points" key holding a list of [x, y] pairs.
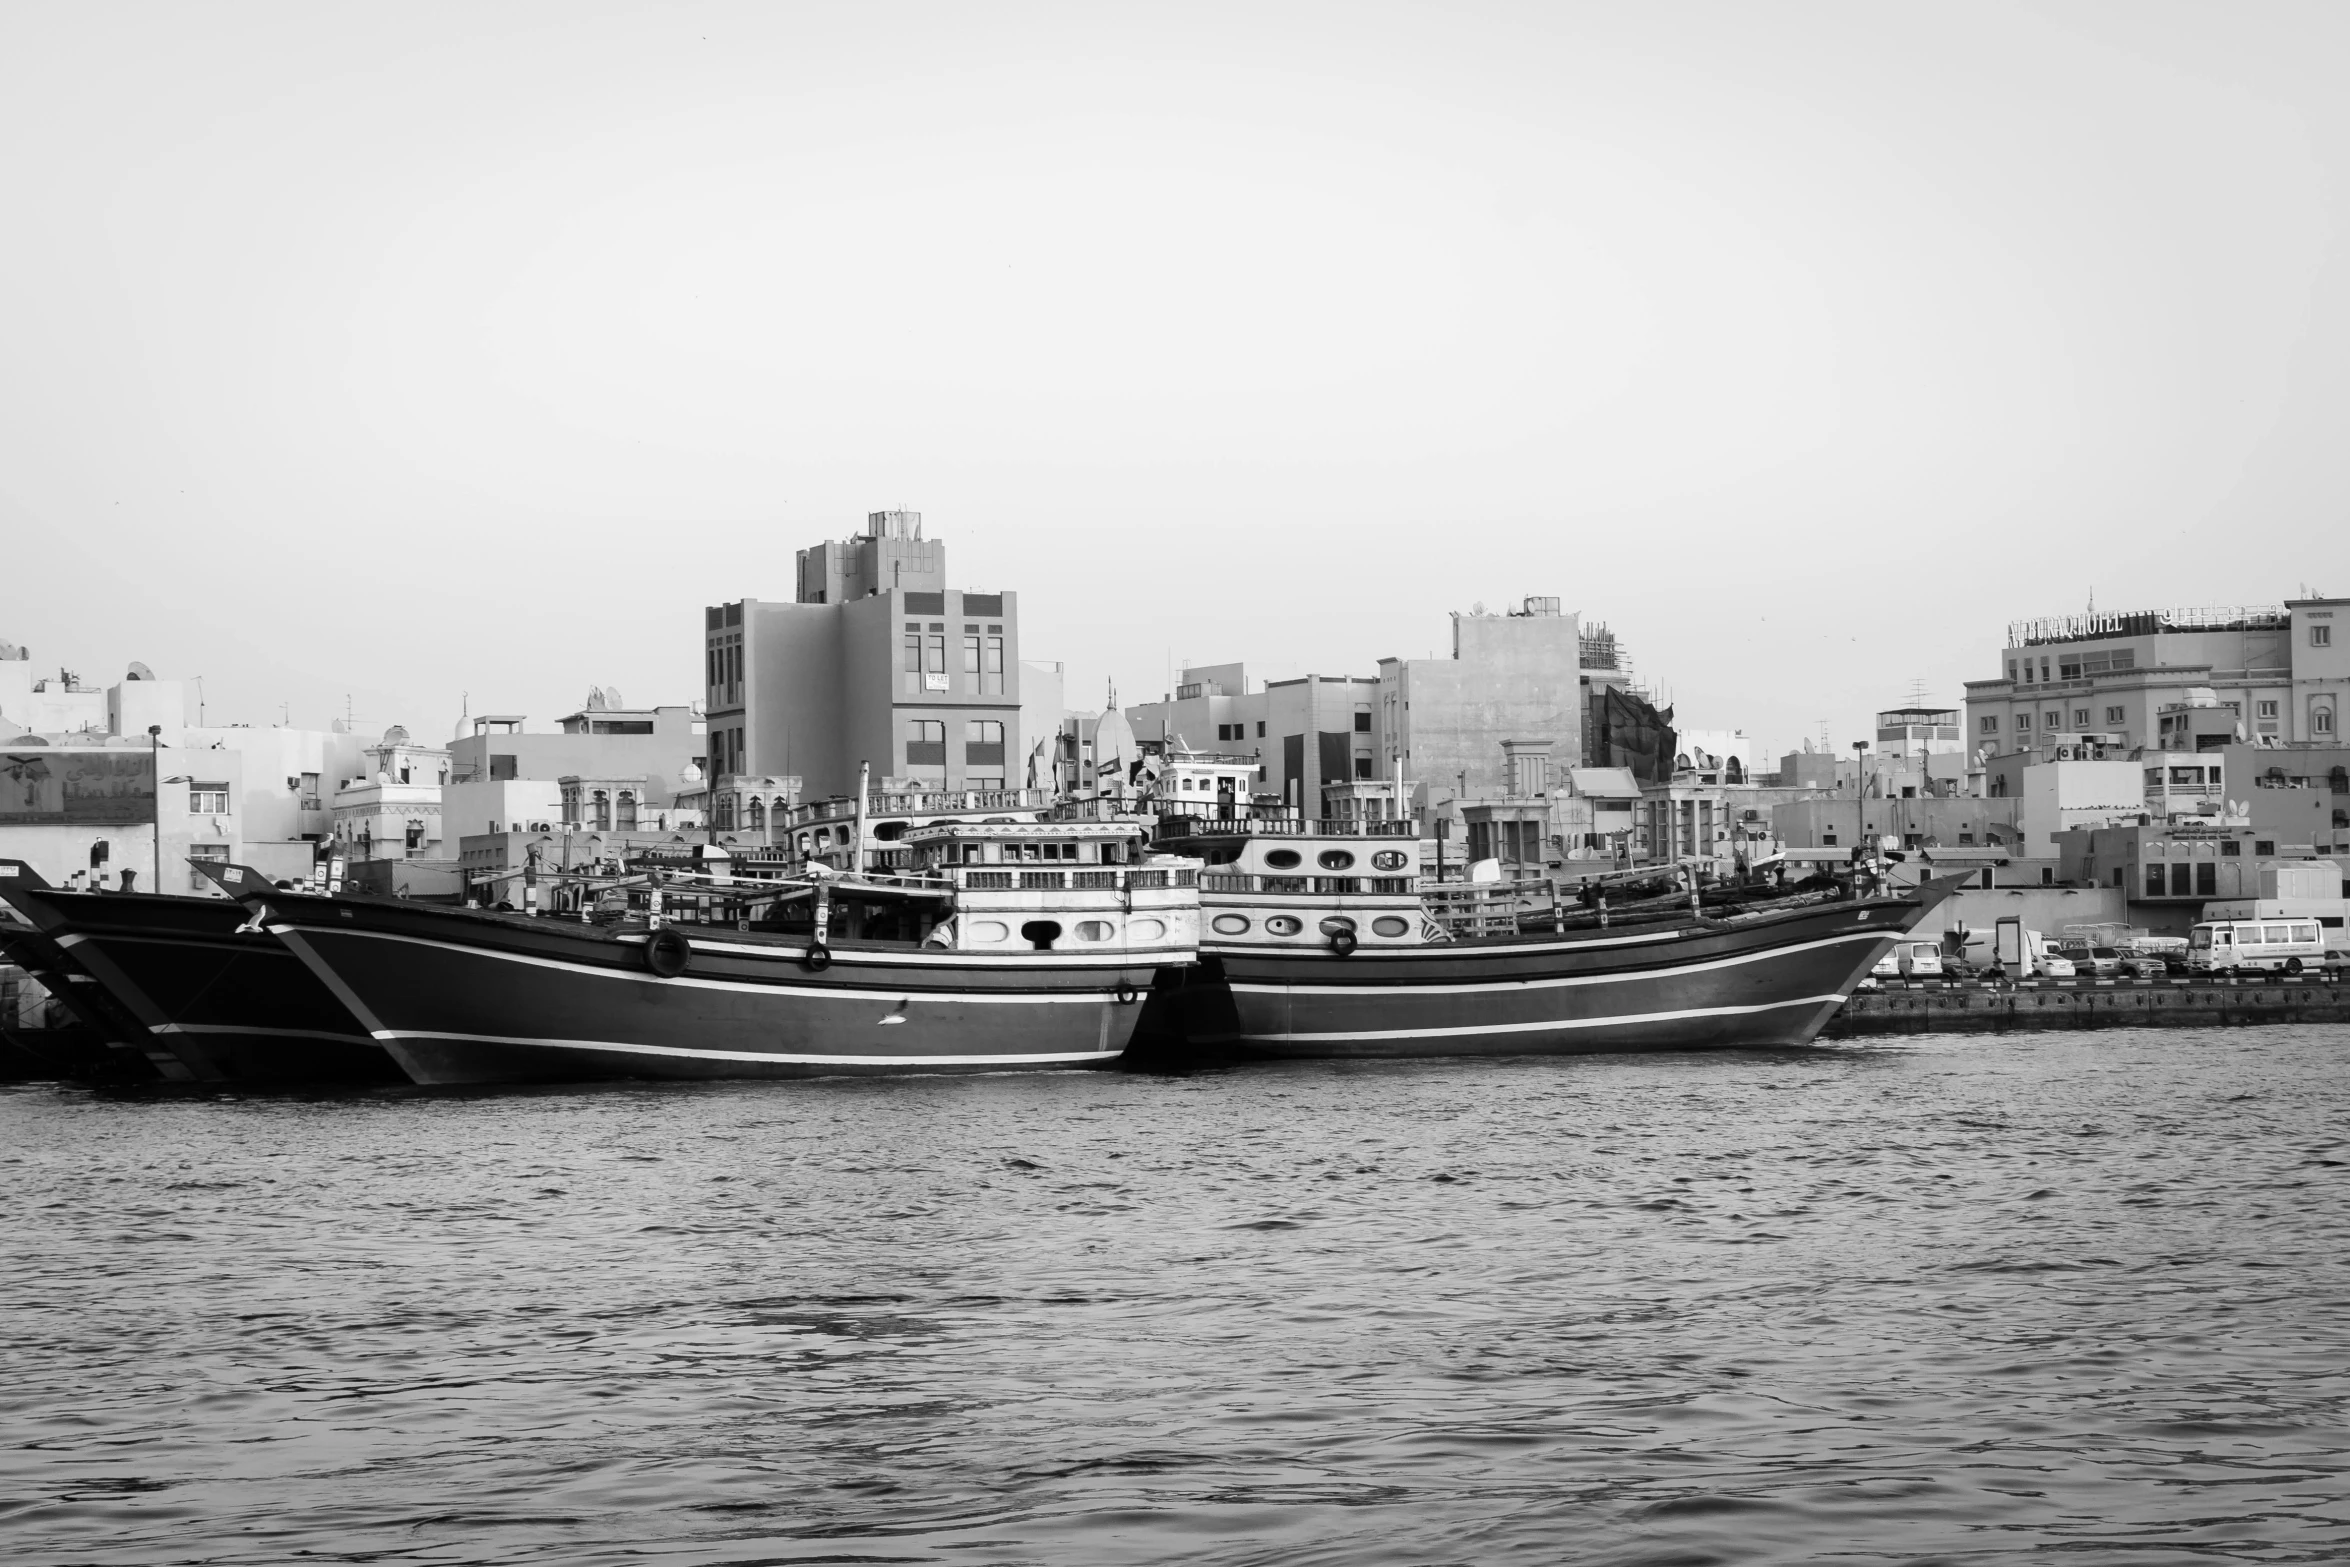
{"points": [[2286, 945], [1925, 960]]}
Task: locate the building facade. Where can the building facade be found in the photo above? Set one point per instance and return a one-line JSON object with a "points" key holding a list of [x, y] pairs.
{"points": [[2278, 672], [878, 662]]}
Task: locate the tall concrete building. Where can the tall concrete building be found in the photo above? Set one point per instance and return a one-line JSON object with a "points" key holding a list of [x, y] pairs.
{"points": [[878, 661], [1303, 733], [2278, 674], [1514, 676]]}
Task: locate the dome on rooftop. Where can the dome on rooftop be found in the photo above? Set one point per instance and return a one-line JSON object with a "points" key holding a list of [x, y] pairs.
{"points": [[396, 735]]}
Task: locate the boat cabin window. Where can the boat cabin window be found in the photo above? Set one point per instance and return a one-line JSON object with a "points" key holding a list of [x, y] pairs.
{"points": [[1281, 859], [1041, 934]]}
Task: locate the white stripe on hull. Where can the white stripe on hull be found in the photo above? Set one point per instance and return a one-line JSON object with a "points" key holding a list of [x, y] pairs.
{"points": [[1553, 982], [757, 987], [777, 1058], [264, 1033], [1539, 1026]]}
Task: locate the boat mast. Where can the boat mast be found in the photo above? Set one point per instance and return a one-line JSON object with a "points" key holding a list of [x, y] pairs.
{"points": [[857, 843]]}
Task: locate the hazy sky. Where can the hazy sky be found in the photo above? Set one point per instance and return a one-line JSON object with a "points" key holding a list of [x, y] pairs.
{"points": [[405, 351]]}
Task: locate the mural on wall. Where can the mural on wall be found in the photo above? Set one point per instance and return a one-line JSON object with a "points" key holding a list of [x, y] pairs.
{"points": [[76, 788]]}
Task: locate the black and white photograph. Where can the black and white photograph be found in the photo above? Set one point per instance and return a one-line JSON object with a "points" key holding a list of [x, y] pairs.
{"points": [[1050, 784]]}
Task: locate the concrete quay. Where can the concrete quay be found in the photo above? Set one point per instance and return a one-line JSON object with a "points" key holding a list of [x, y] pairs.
{"points": [[1997, 1007]]}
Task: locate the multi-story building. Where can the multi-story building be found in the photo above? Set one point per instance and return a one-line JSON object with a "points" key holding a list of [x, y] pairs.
{"points": [[2280, 672], [878, 662], [392, 809], [500, 774], [1303, 732], [1515, 676]]}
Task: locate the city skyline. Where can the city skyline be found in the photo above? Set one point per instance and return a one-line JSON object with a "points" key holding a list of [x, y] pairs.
{"points": [[476, 356]]}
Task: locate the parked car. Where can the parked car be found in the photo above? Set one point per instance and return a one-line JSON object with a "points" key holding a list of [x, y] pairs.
{"points": [[2145, 965], [2098, 962], [1925, 960]]}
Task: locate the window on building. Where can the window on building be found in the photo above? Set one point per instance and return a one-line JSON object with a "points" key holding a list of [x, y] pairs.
{"points": [[2080, 718], [1966, 838], [2321, 636], [971, 658], [2011, 669], [934, 661], [1260, 729], [2181, 881], [1362, 767], [2206, 879], [1990, 724], [215, 853], [626, 821], [2113, 715], [983, 742], [2051, 720], [2321, 718], [926, 743], [992, 675], [208, 799], [2023, 721], [2264, 846], [1363, 723], [912, 679], [2264, 709], [2154, 881]]}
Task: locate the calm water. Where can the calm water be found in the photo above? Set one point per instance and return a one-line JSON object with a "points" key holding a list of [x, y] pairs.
{"points": [[1947, 1300]]}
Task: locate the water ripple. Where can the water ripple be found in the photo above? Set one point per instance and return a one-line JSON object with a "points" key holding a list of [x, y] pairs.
{"points": [[1952, 1300]]}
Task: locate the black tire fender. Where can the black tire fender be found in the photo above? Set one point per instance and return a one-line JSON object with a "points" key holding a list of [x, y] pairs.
{"points": [[819, 957], [1342, 942], [668, 953], [1127, 994]]}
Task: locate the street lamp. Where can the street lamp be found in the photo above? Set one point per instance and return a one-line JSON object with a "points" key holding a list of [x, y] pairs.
{"points": [[155, 767]]}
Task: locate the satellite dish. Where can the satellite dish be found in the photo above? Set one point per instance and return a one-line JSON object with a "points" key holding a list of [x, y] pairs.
{"points": [[612, 698], [140, 672]]}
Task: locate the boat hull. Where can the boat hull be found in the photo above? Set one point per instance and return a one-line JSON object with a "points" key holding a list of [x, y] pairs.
{"points": [[226, 1002], [460, 997], [1772, 979], [100, 1045]]}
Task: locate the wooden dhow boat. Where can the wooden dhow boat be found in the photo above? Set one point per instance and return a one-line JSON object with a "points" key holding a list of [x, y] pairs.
{"points": [[1321, 940], [197, 989], [1001, 945], [55, 1021]]}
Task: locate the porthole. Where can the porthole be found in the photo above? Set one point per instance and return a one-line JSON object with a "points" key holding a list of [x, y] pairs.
{"points": [[1389, 925], [989, 930], [1281, 859], [1231, 924], [1093, 930], [1336, 860], [1388, 860], [1145, 930], [1336, 923], [1284, 925], [1223, 853]]}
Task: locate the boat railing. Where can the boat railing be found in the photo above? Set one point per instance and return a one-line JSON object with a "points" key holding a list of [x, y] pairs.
{"points": [[1227, 881], [1107, 879], [925, 802], [1287, 827]]}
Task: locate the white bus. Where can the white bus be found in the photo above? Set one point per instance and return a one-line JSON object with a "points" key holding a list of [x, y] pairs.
{"points": [[2290, 945]]}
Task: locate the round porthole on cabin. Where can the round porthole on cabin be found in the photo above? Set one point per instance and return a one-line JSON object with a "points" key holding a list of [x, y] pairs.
{"points": [[989, 930], [1281, 859], [1231, 924], [1147, 930], [1388, 860], [1336, 923], [1335, 860], [1389, 925], [1093, 930], [1284, 924]]}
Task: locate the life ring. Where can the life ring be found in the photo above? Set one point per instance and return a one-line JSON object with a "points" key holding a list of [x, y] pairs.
{"points": [[1342, 942], [1127, 994], [668, 952], [819, 957]]}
